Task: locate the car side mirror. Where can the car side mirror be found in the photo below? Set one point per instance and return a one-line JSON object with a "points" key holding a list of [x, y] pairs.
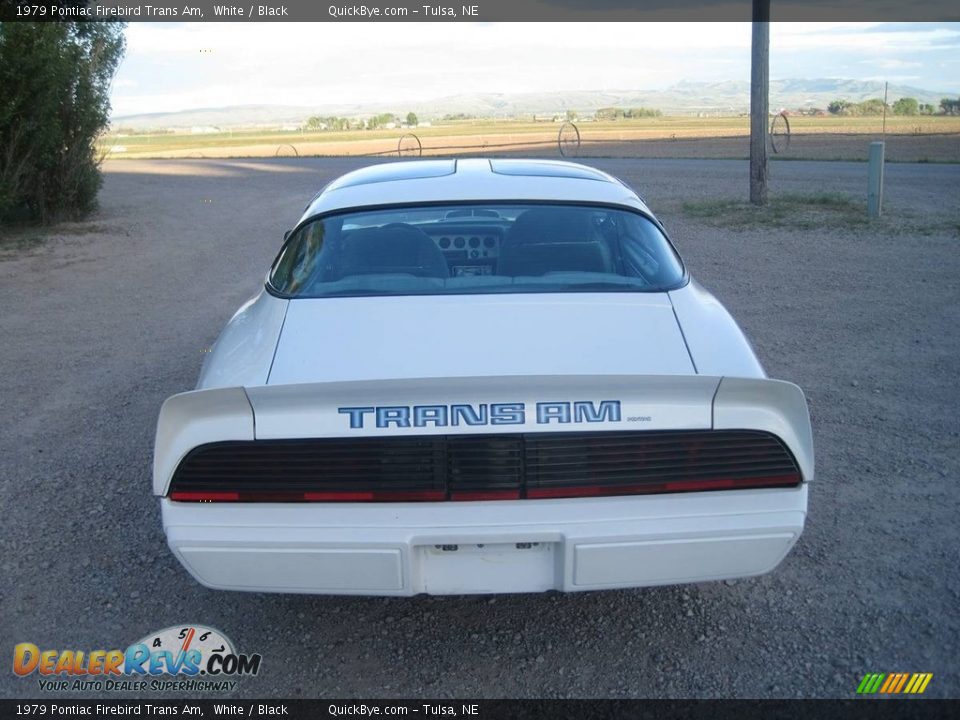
{"points": [[286, 234]]}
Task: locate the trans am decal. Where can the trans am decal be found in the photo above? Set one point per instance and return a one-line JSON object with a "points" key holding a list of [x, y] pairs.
{"points": [[513, 413]]}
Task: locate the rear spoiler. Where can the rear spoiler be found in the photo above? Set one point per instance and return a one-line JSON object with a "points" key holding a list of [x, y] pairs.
{"points": [[480, 405], [777, 406]]}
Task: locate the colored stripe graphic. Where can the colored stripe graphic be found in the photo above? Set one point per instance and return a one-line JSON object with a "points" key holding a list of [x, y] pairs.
{"points": [[918, 683], [870, 683], [892, 679], [894, 683], [903, 680]]}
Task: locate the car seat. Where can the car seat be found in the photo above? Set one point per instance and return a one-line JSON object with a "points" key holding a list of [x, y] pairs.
{"points": [[544, 240], [393, 248]]}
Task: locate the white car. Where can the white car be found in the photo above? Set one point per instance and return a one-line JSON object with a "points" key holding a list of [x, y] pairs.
{"points": [[480, 376]]}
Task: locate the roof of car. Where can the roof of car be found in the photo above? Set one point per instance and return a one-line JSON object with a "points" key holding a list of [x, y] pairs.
{"points": [[470, 180]]}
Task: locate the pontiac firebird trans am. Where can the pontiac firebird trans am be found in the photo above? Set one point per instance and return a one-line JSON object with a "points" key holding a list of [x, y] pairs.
{"points": [[479, 376]]}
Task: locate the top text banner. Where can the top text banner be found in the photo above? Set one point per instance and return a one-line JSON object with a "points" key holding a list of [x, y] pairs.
{"points": [[478, 10]]}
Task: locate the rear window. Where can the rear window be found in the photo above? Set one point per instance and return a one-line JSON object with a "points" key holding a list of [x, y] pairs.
{"points": [[451, 250]]}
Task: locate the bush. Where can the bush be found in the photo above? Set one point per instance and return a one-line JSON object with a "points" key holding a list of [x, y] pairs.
{"points": [[906, 106], [615, 113], [873, 106], [837, 106], [54, 102], [849, 109]]}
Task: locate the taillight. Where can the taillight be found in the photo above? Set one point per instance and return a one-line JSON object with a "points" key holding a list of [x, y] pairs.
{"points": [[205, 496], [267, 497], [485, 495], [483, 467]]}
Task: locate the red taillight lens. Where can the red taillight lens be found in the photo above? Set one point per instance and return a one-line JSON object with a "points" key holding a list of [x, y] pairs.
{"points": [[532, 493], [485, 494], [205, 496], [266, 497]]}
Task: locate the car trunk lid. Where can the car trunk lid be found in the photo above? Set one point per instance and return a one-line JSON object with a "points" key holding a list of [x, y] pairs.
{"points": [[384, 338]]}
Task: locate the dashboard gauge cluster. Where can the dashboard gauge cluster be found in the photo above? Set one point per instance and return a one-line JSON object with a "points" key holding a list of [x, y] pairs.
{"points": [[469, 250], [475, 245]]}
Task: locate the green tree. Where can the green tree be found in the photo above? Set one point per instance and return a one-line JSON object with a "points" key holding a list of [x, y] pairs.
{"points": [[927, 109], [609, 113], [906, 106], [874, 106], [54, 103], [642, 112], [837, 107], [412, 120], [379, 121], [950, 107]]}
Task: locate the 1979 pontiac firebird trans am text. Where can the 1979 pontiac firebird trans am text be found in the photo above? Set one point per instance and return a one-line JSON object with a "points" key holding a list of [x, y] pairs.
{"points": [[479, 376]]}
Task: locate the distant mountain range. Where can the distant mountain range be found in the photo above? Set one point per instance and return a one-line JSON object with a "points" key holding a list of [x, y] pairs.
{"points": [[685, 97]]}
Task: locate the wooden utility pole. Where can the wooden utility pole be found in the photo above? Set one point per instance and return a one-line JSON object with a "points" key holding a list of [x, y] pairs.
{"points": [[759, 101]]}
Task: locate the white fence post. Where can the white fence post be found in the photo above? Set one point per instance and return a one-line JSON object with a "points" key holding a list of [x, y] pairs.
{"points": [[875, 179]]}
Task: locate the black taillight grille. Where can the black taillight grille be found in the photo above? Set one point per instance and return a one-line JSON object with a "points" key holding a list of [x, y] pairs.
{"points": [[621, 458], [476, 463], [466, 467]]}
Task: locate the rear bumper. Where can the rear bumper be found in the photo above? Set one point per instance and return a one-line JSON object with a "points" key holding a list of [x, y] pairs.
{"points": [[485, 547]]}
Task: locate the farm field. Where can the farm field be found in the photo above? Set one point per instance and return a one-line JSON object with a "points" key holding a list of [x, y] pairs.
{"points": [[909, 139]]}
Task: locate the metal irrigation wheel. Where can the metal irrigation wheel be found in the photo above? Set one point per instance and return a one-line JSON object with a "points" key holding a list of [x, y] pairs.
{"points": [[280, 149], [780, 133], [568, 140], [409, 146]]}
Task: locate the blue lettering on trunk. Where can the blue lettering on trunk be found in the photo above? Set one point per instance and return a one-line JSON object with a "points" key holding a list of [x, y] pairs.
{"points": [[356, 414], [547, 411], [507, 414], [436, 414], [561, 412], [393, 414], [466, 415], [608, 411]]}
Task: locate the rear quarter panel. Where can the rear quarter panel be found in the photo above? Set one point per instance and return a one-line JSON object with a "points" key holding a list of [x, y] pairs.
{"points": [[244, 351], [716, 343]]}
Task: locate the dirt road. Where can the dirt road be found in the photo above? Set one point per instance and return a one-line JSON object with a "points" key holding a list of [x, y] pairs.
{"points": [[105, 319]]}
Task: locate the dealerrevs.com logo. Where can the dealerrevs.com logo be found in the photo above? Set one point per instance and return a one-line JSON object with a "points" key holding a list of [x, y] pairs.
{"points": [[179, 658]]}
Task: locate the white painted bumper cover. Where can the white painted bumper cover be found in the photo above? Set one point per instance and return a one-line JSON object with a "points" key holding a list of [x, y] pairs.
{"points": [[485, 547]]}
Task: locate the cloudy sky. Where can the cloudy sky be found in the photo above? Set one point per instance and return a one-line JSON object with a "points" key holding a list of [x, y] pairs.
{"points": [[172, 66]]}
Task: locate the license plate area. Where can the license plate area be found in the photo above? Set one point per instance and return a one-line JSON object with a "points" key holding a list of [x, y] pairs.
{"points": [[467, 568]]}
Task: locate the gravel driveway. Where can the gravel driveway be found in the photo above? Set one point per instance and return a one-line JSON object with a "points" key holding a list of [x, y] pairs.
{"points": [[105, 319]]}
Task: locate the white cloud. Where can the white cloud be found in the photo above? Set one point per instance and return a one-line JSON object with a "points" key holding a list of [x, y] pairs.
{"points": [[171, 66], [891, 64]]}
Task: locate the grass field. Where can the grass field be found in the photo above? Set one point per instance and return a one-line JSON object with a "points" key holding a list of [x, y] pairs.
{"points": [[912, 139]]}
